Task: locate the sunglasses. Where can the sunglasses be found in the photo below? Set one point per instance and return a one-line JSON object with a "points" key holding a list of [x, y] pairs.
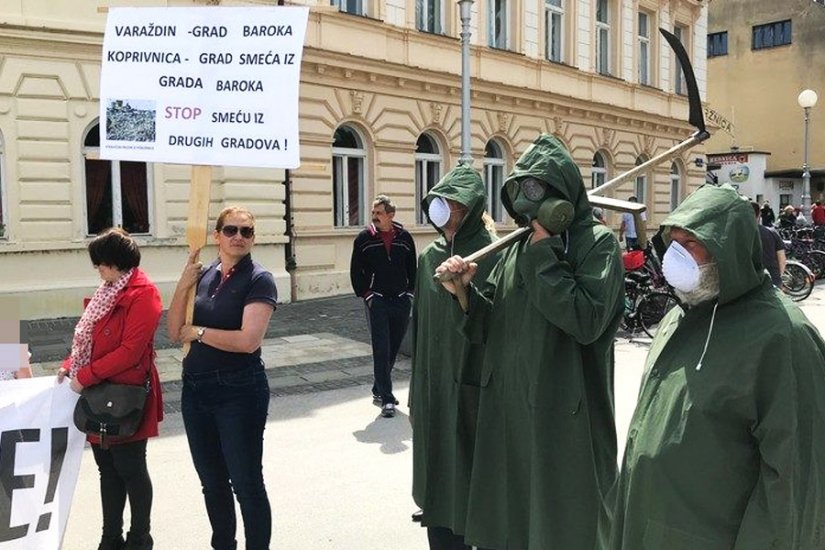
{"points": [[232, 230]]}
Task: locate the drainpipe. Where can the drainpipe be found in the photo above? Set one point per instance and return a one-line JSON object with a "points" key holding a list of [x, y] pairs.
{"points": [[289, 250]]}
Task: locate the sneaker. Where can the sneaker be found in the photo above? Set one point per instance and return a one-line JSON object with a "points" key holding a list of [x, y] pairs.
{"points": [[376, 400], [388, 410]]}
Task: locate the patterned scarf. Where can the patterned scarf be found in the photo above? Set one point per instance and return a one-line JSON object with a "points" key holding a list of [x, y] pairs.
{"points": [[100, 305]]}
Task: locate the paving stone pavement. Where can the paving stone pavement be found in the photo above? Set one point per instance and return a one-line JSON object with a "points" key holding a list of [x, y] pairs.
{"points": [[310, 346]]}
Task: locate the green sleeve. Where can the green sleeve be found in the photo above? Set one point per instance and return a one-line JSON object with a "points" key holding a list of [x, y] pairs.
{"points": [[786, 508], [581, 301]]}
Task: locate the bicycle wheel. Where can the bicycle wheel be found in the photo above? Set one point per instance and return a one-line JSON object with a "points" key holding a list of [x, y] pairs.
{"points": [[815, 261], [797, 281], [652, 309]]}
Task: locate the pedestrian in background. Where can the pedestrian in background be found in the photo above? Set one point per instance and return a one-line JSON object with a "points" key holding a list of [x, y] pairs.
{"points": [[628, 228], [446, 371], [773, 250], [225, 396], [787, 219], [382, 272], [114, 342], [725, 446], [768, 217], [545, 452], [818, 214]]}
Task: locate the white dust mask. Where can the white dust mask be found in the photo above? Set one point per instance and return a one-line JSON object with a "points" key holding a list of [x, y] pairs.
{"points": [[680, 269], [439, 211]]}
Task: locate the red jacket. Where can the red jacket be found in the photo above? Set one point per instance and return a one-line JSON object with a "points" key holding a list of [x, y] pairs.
{"points": [[818, 215], [123, 349]]}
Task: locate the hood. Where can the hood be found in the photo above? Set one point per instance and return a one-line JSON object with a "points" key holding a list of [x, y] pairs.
{"points": [[464, 185], [548, 160], [724, 222]]}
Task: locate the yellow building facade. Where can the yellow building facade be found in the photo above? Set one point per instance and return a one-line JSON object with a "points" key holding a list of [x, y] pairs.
{"points": [[379, 113]]}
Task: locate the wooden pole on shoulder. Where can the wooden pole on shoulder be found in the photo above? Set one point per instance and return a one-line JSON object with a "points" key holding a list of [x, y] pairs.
{"points": [[196, 225]]}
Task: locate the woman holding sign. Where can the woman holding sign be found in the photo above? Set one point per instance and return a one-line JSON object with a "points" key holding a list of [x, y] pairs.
{"points": [[225, 395], [113, 342]]}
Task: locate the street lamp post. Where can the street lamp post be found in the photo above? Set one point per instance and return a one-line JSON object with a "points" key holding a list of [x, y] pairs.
{"points": [[465, 12], [806, 99]]}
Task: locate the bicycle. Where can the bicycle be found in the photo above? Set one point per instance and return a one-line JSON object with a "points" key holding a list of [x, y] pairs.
{"points": [[797, 281], [645, 306]]}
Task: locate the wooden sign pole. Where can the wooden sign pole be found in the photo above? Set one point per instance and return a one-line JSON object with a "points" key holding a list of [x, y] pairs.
{"points": [[196, 226]]}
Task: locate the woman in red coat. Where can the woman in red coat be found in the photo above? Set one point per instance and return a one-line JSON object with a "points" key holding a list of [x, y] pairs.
{"points": [[113, 342]]}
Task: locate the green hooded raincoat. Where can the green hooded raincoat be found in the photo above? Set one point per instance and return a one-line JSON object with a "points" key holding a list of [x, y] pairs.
{"points": [[726, 449], [546, 443], [446, 368]]}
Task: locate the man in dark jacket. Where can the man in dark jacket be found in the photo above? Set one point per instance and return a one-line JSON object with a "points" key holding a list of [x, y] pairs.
{"points": [[725, 447], [446, 369], [382, 271], [545, 453]]}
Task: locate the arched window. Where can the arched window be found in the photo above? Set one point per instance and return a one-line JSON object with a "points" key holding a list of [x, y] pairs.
{"points": [[118, 192], [598, 171], [348, 156], [427, 171], [675, 185], [640, 187], [494, 166]]}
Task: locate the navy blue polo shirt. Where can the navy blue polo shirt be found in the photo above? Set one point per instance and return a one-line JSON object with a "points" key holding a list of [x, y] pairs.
{"points": [[220, 306]]}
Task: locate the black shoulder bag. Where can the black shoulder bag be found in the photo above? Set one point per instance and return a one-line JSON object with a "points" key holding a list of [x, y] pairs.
{"points": [[113, 412]]}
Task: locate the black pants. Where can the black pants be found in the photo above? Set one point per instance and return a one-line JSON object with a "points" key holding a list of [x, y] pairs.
{"points": [[388, 318], [123, 473], [442, 538]]}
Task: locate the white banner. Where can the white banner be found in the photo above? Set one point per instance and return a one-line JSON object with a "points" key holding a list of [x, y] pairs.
{"points": [[40, 452], [210, 85]]}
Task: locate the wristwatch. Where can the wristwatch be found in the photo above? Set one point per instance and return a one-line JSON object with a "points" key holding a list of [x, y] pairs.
{"points": [[201, 332]]}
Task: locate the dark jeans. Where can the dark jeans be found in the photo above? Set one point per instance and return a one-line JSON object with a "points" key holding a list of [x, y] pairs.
{"points": [[224, 413], [123, 473], [388, 318], [632, 243], [441, 538]]}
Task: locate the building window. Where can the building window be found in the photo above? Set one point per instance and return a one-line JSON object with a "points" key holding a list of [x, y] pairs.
{"points": [[679, 78], [427, 171], [428, 16], [355, 7], [554, 30], [718, 44], [771, 35], [598, 171], [494, 167], [117, 191], [675, 185], [497, 27], [640, 187], [644, 48], [602, 37], [348, 156]]}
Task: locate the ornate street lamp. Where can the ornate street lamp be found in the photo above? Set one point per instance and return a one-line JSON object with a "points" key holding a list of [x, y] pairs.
{"points": [[465, 12], [806, 99]]}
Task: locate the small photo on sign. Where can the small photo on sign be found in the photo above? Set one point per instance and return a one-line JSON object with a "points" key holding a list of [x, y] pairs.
{"points": [[130, 120]]}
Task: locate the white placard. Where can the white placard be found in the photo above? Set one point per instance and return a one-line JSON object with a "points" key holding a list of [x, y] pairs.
{"points": [[205, 85], [40, 453]]}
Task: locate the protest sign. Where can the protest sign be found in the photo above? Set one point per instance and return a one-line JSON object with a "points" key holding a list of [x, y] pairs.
{"points": [[202, 86], [40, 452]]}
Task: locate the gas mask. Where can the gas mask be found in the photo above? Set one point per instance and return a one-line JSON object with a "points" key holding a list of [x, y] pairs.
{"points": [[439, 211], [533, 199]]}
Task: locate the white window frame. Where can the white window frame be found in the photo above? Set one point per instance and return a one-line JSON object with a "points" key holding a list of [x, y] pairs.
{"points": [[340, 180], [644, 50], [422, 9], [423, 183], [598, 174], [679, 86], [93, 153], [342, 6], [640, 185], [603, 39], [675, 185], [505, 24], [494, 171], [554, 19]]}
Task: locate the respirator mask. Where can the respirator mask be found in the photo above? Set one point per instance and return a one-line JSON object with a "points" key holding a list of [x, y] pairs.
{"points": [[439, 211], [533, 199]]}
